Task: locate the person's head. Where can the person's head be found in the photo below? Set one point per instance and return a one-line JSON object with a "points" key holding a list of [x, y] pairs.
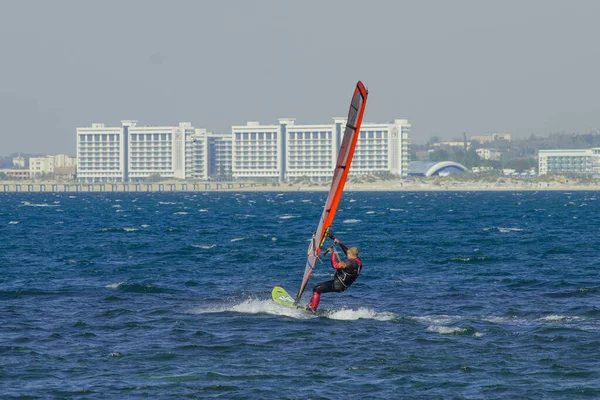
{"points": [[353, 252]]}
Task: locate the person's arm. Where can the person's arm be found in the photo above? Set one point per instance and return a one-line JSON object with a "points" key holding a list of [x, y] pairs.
{"points": [[335, 263], [342, 245]]}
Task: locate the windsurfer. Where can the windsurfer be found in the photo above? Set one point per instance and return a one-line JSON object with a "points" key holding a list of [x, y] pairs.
{"points": [[346, 273]]}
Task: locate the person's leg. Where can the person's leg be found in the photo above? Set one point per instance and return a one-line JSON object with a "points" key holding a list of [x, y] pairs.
{"points": [[323, 287]]}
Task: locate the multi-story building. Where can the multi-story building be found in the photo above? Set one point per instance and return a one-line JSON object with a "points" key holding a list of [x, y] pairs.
{"points": [[49, 166], [41, 166], [101, 153], [15, 173], [287, 151], [491, 137], [489, 154], [574, 161], [310, 149], [382, 148], [278, 152], [257, 151], [134, 153], [220, 159]]}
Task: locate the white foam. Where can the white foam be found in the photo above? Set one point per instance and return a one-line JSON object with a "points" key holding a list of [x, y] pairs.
{"points": [[558, 318], [238, 239], [116, 285], [256, 306], [287, 216], [28, 204], [203, 246], [347, 314], [446, 330], [351, 221]]}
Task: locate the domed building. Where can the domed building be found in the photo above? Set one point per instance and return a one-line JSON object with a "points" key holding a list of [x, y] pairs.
{"points": [[432, 168]]}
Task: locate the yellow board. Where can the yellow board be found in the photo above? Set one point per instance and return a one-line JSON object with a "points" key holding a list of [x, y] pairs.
{"points": [[280, 296]]}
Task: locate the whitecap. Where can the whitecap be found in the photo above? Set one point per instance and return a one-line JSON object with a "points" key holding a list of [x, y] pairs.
{"points": [[116, 285], [14, 222], [256, 306], [446, 330], [203, 246], [504, 230], [287, 216], [351, 221], [347, 314], [238, 239], [555, 318]]}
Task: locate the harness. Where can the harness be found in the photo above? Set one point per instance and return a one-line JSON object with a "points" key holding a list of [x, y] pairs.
{"points": [[345, 278]]}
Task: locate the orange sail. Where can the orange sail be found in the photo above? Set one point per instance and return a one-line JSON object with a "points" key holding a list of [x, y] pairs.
{"points": [[340, 174]]}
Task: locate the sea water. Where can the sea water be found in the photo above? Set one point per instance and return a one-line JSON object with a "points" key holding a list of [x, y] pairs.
{"points": [[464, 295]]}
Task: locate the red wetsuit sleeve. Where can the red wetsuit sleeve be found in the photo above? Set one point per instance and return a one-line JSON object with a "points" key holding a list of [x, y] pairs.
{"points": [[334, 261]]}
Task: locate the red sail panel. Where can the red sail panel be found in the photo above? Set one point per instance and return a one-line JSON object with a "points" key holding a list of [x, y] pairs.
{"points": [[340, 174]]}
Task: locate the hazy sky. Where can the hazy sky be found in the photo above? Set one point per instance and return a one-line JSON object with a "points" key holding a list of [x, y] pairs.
{"points": [[449, 67]]}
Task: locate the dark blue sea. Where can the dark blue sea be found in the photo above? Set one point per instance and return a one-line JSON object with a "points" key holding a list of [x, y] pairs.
{"points": [[463, 295]]}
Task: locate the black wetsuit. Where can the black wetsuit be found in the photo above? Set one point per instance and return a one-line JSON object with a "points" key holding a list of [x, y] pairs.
{"points": [[344, 277]]}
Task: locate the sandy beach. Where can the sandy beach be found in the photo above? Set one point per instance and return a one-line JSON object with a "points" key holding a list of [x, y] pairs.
{"points": [[407, 184]]}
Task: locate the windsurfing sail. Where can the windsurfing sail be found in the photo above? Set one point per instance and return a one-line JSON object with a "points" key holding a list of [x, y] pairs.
{"points": [[340, 174]]}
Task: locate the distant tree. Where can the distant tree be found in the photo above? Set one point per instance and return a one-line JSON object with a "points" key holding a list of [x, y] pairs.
{"points": [[433, 139], [439, 155], [521, 164]]}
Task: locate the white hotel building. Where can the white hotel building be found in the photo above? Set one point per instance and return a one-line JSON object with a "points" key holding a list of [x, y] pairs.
{"points": [[134, 153], [573, 161], [279, 152], [287, 151]]}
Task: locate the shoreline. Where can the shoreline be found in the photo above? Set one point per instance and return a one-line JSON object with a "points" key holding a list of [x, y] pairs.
{"points": [[380, 186]]}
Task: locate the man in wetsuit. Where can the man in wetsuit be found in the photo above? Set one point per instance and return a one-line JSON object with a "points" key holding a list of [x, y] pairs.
{"points": [[346, 273]]}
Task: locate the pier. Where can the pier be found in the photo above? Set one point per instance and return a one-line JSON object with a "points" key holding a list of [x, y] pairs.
{"points": [[11, 187]]}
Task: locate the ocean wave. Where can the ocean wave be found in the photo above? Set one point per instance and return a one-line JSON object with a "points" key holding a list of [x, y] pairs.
{"points": [[450, 330], [286, 216], [204, 246], [256, 306], [119, 230], [346, 314], [28, 204], [502, 229], [136, 287], [471, 259]]}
